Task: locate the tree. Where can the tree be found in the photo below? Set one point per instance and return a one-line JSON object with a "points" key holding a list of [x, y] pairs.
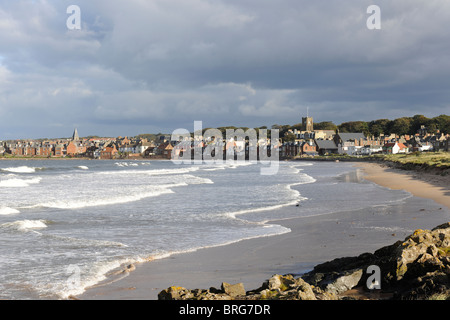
{"points": [[289, 137], [355, 126], [401, 126], [443, 123], [298, 126], [378, 127], [417, 121], [432, 128], [376, 130], [325, 125]]}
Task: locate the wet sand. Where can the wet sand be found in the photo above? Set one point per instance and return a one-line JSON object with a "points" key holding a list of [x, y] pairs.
{"points": [[420, 184], [312, 240]]}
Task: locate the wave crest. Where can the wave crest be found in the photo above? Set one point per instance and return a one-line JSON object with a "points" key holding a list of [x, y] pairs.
{"points": [[22, 169], [84, 203], [26, 225], [4, 211], [19, 183]]}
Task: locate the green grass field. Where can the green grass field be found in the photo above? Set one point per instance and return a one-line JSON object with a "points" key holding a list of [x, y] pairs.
{"points": [[431, 159]]}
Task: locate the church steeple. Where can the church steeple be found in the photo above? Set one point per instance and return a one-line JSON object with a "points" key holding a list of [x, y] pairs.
{"points": [[75, 136]]}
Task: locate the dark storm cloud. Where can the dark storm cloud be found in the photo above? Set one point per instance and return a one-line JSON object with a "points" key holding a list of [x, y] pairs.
{"points": [[141, 66]]}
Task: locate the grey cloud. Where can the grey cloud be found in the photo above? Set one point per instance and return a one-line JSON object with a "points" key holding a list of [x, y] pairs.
{"points": [[160, 64]]}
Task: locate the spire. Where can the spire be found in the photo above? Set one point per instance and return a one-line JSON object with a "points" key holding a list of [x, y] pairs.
{"points": [[75, 136]]}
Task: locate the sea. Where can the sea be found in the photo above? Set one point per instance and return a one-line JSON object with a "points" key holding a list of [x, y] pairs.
{"points": [[66, 225]]}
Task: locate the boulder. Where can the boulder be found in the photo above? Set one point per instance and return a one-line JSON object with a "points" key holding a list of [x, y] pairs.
{"points": [[283, 287], [304, 291], [336, 282], [175, 293], [344, 281], [279, 282], [431, 286], [421, 252], [233, 290]]}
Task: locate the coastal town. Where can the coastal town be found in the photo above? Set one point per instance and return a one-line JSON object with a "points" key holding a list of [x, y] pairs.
{"points": [[300, 141], [310, 142]]}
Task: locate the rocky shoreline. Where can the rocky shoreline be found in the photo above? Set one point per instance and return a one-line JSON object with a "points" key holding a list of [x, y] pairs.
{"points": [[417, 268]]}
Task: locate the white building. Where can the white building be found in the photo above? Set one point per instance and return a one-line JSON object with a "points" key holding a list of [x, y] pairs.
{"points": [[394, 148]]}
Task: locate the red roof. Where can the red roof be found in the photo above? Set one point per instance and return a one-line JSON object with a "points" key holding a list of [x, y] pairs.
{"points": [[391, 144]]}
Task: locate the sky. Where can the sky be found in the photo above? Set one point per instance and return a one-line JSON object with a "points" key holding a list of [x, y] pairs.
{"points": [[150, 66]]}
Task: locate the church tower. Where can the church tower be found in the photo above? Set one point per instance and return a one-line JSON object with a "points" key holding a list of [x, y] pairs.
{"points": [[307, 124]]}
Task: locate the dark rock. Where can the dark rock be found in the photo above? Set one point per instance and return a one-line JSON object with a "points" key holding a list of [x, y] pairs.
{"points": [[347, 263]]}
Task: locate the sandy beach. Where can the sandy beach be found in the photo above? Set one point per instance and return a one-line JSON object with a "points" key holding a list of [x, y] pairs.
{"points": [[420, 184], [312, 240]]}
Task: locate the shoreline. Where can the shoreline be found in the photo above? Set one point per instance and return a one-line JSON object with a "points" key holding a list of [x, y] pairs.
{"points": [[419, 184], [312, 240]]}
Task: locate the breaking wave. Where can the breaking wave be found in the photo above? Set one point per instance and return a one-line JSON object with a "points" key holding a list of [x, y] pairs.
{"points": [[19, 183], [4, 211], [22, 169], [117, 199], [151, 172], [25, 225]]}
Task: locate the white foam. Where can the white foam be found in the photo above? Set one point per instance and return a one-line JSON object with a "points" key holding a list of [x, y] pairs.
{"points": [[214, 169], [93, 202], [25, 225], [295, 195], [190, 179], [150, 172], [19, 183], [261, 209], [303, 164], [83, 167], [22, 169], [87, 242], [171, 171], [126, 164], [121, 164], [4, 211], [97, 273], [233, 164]]}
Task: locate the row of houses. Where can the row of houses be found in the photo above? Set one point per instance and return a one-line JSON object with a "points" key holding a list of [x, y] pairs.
{"points": [[94, 148], [358, 144], [307, 143], [54, 148], [310, 142]]}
